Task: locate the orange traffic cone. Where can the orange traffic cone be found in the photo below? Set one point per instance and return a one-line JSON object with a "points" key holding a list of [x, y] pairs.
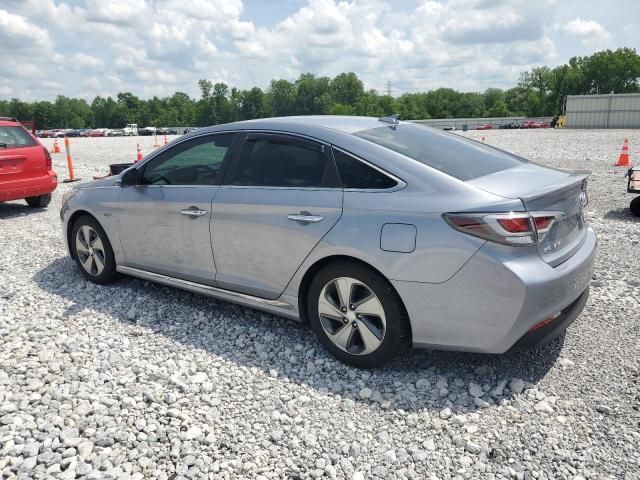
{"points": [[139, 153], [56, 147], [623, 159], [165, 140]]}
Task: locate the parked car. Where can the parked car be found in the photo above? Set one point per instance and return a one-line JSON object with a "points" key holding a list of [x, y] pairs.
{"points": [[26, 171], [71, 132], [98, 132], [147, 131], [114, 132], [382, 234], [85, 132], [510, 126], [484, 126]]}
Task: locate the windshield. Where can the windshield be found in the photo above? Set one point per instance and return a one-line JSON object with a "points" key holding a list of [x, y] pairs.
{"points": [[449, 153]]}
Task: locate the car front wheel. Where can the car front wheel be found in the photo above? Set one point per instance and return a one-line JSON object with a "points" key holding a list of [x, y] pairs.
{"points": [[92, 250], [357, 315]]}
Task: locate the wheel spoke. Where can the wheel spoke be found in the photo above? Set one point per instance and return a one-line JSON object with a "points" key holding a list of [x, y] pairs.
{"points": [[371, 306], [325, 307], [99, 263], [343, 286], [80, 248], [86, 234], [342, 336], [369, 338], [97, 244], [88, 264]]}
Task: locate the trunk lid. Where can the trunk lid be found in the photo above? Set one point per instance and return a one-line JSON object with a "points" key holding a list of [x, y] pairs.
{"points": [[543, 189]]}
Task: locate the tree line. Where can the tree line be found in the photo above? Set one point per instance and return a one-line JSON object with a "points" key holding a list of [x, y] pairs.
{"points": [[539, 92]]}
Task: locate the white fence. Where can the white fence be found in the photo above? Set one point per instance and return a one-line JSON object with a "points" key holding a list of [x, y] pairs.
{"points": [[603, 111]]}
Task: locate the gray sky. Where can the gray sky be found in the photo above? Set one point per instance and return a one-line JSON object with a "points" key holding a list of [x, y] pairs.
{"points": [[156, 47]]}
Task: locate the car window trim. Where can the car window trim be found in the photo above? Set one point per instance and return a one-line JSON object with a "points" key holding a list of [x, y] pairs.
{"points": [[223, 168], [400, 184], [298, 138]]}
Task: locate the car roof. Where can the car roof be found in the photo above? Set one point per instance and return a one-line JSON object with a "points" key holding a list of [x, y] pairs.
{"points": [[345, 124], [9, 122]]}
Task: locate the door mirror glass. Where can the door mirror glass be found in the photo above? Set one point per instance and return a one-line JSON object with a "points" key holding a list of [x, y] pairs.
{"points": [[129, 177]]}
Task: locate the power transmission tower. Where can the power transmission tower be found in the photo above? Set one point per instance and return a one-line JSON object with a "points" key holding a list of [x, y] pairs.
{"points": [[387, 88]]}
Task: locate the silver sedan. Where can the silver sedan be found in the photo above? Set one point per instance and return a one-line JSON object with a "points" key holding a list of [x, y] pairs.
{"points": [[381, 234]]}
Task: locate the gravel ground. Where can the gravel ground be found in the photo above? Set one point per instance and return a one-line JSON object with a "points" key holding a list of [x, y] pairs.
{"points": [[137, 380]]}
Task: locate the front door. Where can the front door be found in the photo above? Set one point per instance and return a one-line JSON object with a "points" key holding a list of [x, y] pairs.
{"points": [[281, 197], [163, 222]]}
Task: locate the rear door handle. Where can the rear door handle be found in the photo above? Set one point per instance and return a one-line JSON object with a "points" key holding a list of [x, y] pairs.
{"points": [[194, 212], [305, 217]]}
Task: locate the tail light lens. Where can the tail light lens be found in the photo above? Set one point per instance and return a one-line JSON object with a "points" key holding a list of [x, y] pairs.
{"points": [[513, 228], [47, 159]]}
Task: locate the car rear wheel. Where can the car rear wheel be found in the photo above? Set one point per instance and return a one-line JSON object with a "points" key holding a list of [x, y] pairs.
{"points": [[93, 252], [634, 206], [357, 315], [40, 201]]}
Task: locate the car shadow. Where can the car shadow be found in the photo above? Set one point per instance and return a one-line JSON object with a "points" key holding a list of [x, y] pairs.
{"points": [[255, 331], [14, 209], [621, 215]]}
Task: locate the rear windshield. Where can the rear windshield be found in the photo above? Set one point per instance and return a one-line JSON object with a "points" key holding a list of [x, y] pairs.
{"points": [[452, 154], [13, 137]]}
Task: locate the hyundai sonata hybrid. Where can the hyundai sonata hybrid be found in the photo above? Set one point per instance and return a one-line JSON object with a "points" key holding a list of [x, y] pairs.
{"points": [[381, 234]]}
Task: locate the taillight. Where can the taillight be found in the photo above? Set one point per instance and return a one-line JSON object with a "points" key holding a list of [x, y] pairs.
{"points": [[512, 228], [47, 159]]}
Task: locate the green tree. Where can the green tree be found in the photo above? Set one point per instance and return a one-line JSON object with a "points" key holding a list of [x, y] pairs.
{"points": [[346, 88]]}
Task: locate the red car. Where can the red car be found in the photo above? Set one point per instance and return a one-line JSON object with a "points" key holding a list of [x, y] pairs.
{"points": [[486, 126], [25, 166]]}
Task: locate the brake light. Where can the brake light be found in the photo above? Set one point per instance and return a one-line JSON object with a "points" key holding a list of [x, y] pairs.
{"points": [[515, 225], [512, 228], [47, 159]]}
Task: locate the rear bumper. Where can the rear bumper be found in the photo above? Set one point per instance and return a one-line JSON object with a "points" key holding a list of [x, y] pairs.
{"points": [[549, 332], [28, 187], [491, 303]]}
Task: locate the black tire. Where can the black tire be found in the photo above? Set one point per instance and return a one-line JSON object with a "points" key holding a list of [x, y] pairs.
{"points": [[634, 206], [105, 255], [397, 334], [40, 201]]}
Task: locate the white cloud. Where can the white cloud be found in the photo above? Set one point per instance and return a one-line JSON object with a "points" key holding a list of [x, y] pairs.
{"points": [[17, 32], [590, 32], [155, 47]]}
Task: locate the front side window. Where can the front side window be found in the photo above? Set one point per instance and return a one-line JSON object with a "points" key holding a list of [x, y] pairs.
{"points": [[449, 153], [197, 162], [278, 161], [15, 137]]}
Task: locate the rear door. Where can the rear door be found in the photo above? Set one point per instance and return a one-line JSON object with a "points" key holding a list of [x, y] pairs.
{"points": [[163, 222], [21, 156], [281, 196]]}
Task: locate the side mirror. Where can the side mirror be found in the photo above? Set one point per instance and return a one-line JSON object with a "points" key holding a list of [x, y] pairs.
{"points": [[128, 178]]}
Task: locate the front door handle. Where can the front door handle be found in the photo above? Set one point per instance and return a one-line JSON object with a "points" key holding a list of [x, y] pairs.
{"points": [[194, 212], [305, 217]]}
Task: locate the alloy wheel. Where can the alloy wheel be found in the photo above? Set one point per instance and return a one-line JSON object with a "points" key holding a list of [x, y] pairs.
{"points": [[352, 316], [90, 250]]}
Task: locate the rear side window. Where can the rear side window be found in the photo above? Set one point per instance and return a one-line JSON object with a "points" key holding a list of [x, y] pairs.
{"points": [[357, 174], [279, 161], [452, 154], [14, 137]]}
